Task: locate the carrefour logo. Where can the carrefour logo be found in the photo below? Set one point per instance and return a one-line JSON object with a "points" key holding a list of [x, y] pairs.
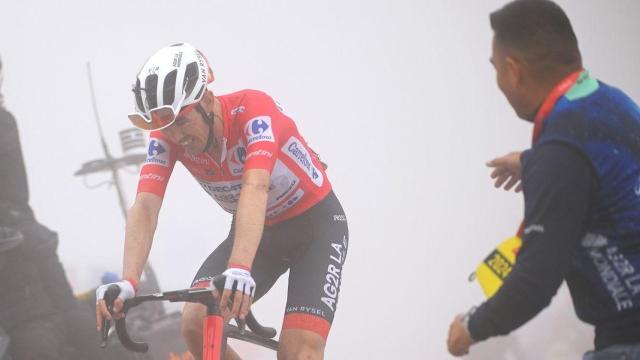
{"points": [[158, 153], [155, 148], [259, 126], [295, 149], [259, 129]]}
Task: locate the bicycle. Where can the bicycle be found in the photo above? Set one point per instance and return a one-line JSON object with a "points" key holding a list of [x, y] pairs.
{"points": [[214, 341]]}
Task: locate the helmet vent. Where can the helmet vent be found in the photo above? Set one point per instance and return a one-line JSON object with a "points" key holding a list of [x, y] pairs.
{"points": [[138, 92], [150, 86], [169, 88], [200, 92], [190, 78]]}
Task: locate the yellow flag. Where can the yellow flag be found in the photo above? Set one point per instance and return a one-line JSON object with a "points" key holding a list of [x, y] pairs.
{"points": [[497, 266]]}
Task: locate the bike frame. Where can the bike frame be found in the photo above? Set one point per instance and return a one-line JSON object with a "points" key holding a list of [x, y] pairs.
{"points": [[213, 346], [215, 332]]}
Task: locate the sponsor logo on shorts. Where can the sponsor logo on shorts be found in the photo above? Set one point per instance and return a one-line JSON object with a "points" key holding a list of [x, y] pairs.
{"points": [[339, 217], [158, 153], [331, 287], [305, 309], [259, 129], [297, 151]]}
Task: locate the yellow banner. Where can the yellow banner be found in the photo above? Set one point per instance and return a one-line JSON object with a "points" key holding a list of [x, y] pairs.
{"points": [[497, 266]]}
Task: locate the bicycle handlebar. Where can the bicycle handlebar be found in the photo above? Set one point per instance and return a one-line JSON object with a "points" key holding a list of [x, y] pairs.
{"points": [[196, 295]]}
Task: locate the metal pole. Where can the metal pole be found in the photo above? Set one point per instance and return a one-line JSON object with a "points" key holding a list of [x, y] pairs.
{"points": [[107, 154]]}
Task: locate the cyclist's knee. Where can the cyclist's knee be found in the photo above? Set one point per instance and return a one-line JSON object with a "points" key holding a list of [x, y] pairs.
{"points": [[298, 344], [192, 316]]}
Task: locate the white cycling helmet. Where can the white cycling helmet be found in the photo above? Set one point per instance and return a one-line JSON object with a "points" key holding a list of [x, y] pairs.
{"points": [[172, 78]]}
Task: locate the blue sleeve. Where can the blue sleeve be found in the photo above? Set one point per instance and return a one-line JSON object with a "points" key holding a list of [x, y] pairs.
{"points": [[557, 183]]}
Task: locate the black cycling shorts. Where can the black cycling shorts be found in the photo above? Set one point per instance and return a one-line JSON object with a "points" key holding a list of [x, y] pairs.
{"points": [[313, 247]]}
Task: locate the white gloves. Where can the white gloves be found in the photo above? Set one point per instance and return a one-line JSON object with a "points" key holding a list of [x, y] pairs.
{"points": [[126, 290], [242, 280]]}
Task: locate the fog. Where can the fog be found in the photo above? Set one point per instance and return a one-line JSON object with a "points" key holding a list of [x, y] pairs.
{"points": [[399, 98]]}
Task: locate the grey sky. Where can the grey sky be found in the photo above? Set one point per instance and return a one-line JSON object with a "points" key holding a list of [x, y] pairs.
{"points": [[398, 97]]}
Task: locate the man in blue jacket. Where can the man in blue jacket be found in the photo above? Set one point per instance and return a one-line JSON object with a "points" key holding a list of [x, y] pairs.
{"points": [[581, 184]]}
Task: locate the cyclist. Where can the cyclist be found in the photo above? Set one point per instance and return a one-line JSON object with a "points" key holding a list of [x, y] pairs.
{"points": [[248, 155], [581, 184]]}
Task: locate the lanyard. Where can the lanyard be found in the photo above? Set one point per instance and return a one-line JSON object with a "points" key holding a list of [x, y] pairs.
{"points": [[550, 102]]}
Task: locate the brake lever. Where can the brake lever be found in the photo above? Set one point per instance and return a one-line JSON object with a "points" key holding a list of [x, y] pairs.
{"points": [[105, 333], [109, 297], [218, 283], [242, 324]]}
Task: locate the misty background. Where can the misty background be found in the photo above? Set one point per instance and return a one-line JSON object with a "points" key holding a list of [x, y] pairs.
{"points": [[398, 97]]}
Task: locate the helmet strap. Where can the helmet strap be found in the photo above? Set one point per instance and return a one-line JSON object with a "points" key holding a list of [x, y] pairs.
{"points": [[208, 119]]}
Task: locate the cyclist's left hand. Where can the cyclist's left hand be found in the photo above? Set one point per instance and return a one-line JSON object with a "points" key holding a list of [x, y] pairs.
{"points": [[459, 339], [245, 286], [127, 291]]}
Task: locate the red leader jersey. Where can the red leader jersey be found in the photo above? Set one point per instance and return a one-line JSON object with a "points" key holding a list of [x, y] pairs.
{"points": [[257, 135]]}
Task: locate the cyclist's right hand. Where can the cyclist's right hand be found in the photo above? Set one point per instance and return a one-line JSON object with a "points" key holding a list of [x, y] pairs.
{"points": [[127, 291]]}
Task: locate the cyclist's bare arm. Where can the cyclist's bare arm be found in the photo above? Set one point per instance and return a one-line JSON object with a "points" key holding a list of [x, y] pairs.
{"points": [[250, 216], [142, 220]]}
